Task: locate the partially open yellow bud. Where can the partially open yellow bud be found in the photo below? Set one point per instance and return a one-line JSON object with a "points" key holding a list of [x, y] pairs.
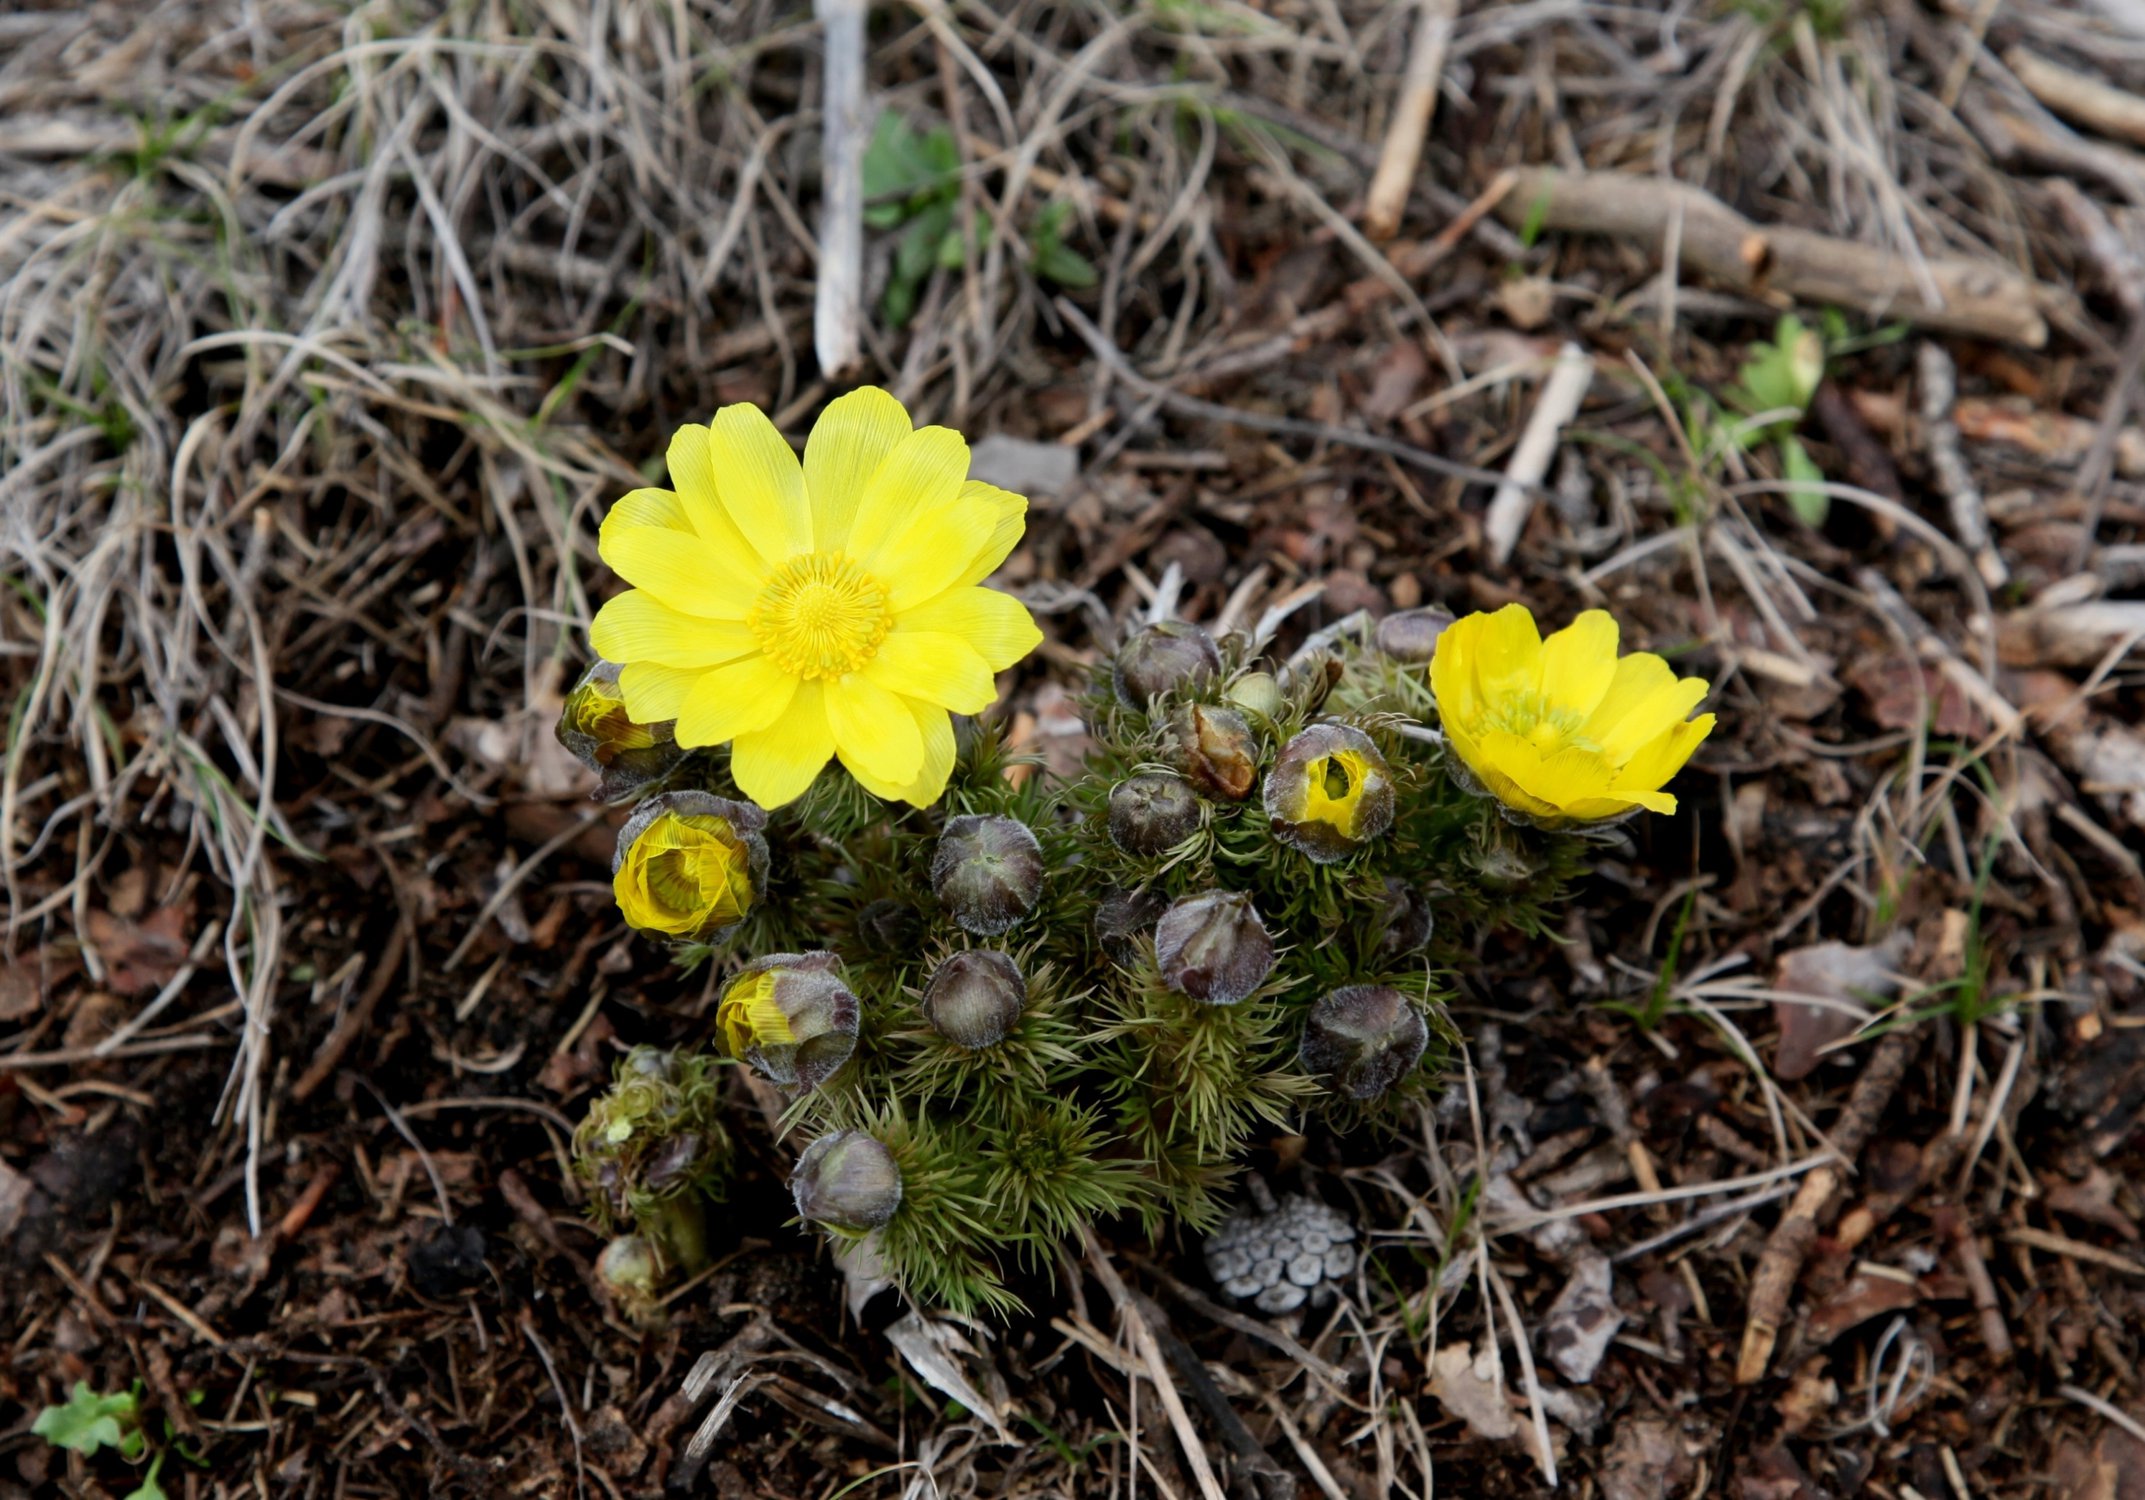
{"points": [[689, 864], [595, 727], [791, 1016]]}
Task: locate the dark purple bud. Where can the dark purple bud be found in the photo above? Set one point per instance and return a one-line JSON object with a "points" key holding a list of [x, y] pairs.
{"points": [[846, 1181], [988, 872], [1213, 947], [1152, 813], [1122, 918], [974, 998], [1405, 919], [1410, 635], [1167, 657], [1363, 1039]]}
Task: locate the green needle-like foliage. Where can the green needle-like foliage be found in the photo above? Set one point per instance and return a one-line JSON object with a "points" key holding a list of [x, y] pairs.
{"points": [[1136, 1063]]}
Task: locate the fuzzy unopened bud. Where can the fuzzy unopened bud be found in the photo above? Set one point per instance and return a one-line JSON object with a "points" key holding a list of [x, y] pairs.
{"points": [[1213, 947], [988, 872], [1152, 813], [890, 926], [1122, 918], [689, 865], [1405, 919], [975, 998], [1218, 751], [1410, 635], [791, 1016], [1363, 1039], [1256, 693], [1330, 792], [632, 1272], [846, 1181], [598, 732], [1169, 656]]}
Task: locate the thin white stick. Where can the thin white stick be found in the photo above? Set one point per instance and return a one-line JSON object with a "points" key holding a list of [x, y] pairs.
{"points": [[1509, 508], [836, 311]]}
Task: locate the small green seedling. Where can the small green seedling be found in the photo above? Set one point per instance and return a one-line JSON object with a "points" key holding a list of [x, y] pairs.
{"points": [[912, 182], [1778, 383], [90, 1423]]}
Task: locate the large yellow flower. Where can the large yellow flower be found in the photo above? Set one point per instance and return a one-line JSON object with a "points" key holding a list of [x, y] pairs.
{"points": [[801, 612], [1564, 729]]}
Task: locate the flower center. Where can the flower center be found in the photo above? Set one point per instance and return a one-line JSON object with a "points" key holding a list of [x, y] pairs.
{"points": [[1550, 729], [820, 616]]}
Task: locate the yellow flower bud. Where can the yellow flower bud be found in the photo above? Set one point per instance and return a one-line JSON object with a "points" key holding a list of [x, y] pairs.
{"points": [[595, 727], [689, 864], [1330, 792], [791, 1016]]}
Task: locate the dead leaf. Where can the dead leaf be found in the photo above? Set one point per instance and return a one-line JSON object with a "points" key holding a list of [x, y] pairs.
{"points": [[2092, 1200], [1582, 1321], [932, 1348], [1646, 1461], [1467, 1387], [2112, 1469], [139, 957], [1812, 1394], [1398, 376], [1841, 979], [1861, 1298], [15, 1190], [1897, 692]]}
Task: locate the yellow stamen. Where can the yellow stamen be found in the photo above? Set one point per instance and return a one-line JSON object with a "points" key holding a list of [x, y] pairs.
{"points": [[821, 616]]}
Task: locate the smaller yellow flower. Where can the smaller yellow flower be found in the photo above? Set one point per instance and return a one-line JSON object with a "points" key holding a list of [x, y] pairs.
{"points": [[791, 1016], [1564, 729], [1330, 792], [689, 864]]}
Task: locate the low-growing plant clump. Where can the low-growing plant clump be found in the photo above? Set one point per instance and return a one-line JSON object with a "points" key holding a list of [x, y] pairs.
{"points": [[999, 1005]]}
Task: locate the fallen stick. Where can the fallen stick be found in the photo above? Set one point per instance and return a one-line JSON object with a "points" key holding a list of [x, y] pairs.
{"points": [[1403, 150], [1509, 508], [1789, 1244], [1974, 297], [1969, 516], [2078, 97]]}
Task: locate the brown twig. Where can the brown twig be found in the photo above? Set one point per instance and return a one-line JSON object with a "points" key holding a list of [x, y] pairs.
{"points": [[1974, 297], [1403, 150], [1789, 1244]]}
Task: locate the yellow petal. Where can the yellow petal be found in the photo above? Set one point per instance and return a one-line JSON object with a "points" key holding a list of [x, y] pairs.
{"points": [[761, 482], [1657, 762], [1568, 776], [1579, 662], [874, 728], [681, 569], [1652, 716], [848, 443], [997, 625], [1636, 678], [732, 700], [653, 693], [929, 553], [692, 470], [1011, 513], [930, 783], [1507, 654], [647, 507], [1615, 804], [921, 475], [1513, 795], [936, 668], [636, 626], [1452, 675], [778, 764]]}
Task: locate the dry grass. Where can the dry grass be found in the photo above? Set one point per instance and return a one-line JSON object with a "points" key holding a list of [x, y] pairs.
{"points": [[326, 335]]}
